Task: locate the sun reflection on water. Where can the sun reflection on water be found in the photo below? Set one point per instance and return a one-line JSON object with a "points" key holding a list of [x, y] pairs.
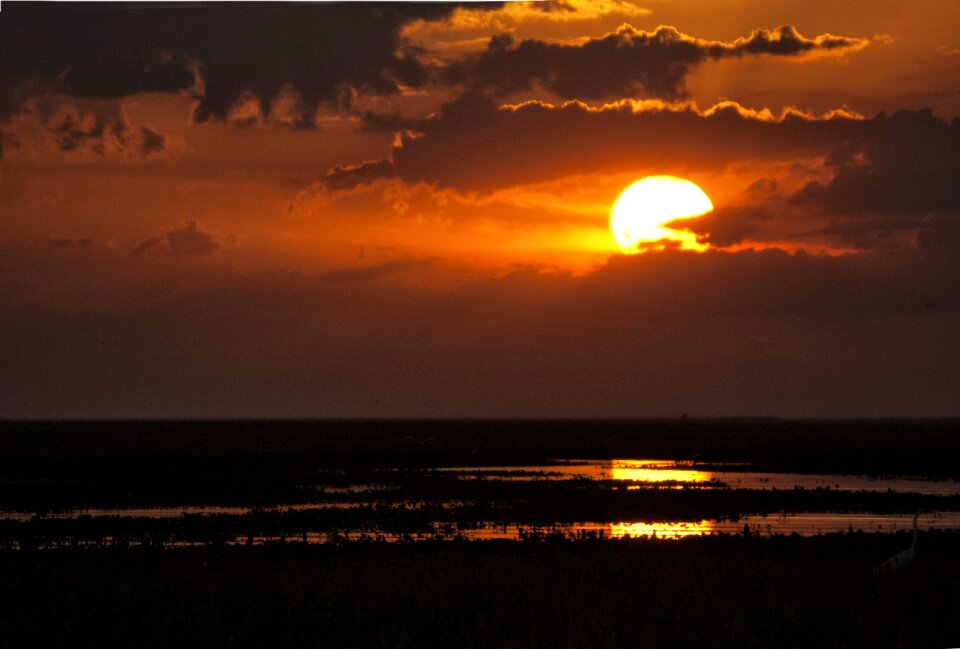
{"points": [[662, 530], [655, 471]]}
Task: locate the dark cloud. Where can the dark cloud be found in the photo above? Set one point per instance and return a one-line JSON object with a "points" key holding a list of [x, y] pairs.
{"points": [[190, 240], [222, 54], [71, 136], [866, 234], [763, 187], [891, 173], [627, 62], [217, 51], [349, 177], [893, 181], [474, 145], [762, 333], [374, 121], [939, 245], [144, 247], [151, 141], [904, 166], [725, 226], [52, 126], [766, 283], [350, 276], [90, 51], [785, 41]]}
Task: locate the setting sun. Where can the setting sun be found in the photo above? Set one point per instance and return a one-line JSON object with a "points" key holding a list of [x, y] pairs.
{"points": [[642, 211]]}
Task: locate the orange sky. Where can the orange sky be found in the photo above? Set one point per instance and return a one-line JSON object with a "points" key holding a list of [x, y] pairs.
{"points": [[401, 209]]}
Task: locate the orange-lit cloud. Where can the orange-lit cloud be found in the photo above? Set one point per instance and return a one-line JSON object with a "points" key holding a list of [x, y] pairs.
{"points": [[884, 175], [467, 20], [474, 144], [627, 62]]}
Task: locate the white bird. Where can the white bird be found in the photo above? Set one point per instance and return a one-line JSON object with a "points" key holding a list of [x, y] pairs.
{"points": [[903, 559]]}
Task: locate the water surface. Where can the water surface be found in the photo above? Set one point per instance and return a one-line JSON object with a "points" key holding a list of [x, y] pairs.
{"points": [[731, 475]]}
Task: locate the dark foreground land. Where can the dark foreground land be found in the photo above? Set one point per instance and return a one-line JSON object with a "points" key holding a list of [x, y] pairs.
{"points": [[59, 466], [921, 447], [50, 466], [125, 581], [720, 591]]}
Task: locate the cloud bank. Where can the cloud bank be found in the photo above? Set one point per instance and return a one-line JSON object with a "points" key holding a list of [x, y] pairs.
{"points": [[215, 52], [626, 63], [747, 333], [474, 144]]}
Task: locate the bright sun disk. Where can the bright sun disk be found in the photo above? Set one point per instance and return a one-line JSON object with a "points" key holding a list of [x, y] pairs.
{"points": [[643, 209]]}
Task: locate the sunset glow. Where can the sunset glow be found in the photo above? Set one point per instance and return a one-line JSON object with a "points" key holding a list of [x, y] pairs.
{"points": [[588, 208]]}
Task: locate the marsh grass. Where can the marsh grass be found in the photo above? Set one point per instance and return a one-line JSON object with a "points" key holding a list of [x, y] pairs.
{"points": [[719, 591], [116, 581]]}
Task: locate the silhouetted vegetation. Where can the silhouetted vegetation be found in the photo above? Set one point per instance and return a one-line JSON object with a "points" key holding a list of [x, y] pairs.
{"points": [[718, 591], [921, 447], [223, 579], [530, 504], [54, 466]]}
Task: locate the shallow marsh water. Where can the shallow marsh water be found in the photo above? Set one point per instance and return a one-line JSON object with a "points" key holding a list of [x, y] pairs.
{"points": [[619, 474]]}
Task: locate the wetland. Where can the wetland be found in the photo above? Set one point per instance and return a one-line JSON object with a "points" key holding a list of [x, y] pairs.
{"points": [[402, 533]]}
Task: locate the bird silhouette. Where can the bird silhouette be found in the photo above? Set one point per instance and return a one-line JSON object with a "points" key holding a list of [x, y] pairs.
{"points": [[903, 559]]}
